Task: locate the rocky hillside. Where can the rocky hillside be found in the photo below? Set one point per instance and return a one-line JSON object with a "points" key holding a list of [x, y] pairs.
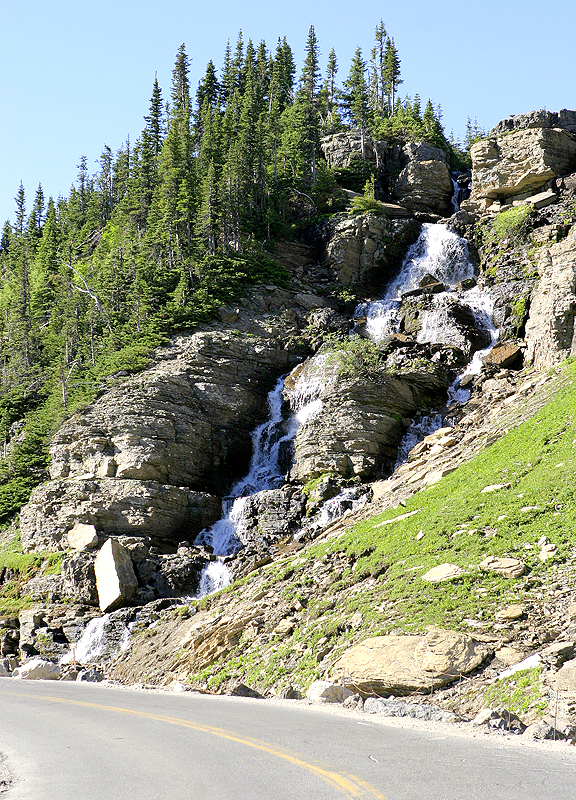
{"points": [[432, 573]]}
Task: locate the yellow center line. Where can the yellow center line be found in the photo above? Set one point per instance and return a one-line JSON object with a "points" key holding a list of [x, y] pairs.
{"points": [[349, 785]]}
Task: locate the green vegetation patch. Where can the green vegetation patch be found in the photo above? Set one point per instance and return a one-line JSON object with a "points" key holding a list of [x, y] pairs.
{"points": [[518, 692], [17, 568], [455, 522]]}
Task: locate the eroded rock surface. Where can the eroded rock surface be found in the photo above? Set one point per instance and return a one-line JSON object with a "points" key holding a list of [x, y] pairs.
{"points": [[365, 250], [521, 162], [550, 326], [403, 664], [359, 427]]}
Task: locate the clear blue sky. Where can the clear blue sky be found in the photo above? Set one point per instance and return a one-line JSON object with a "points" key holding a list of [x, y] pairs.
{"points": [[76, 75]]}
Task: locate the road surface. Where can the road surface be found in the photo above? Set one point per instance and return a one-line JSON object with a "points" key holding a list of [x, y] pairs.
{"points": [[71, 741]]}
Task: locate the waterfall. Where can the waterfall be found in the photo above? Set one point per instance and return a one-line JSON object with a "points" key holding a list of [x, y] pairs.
{"points": [[438, 252], [102, 638], [442, 254], [269, 441]]}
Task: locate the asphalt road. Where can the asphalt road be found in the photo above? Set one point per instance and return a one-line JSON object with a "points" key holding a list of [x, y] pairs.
{"points": [[69, 741]]}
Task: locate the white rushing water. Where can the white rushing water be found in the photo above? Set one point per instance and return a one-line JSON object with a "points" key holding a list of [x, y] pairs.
{"points": [[269, 441], [102, 638], [444, 255]]}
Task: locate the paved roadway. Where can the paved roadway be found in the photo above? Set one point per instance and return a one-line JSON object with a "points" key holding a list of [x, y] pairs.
{"points": [[69, 741]]}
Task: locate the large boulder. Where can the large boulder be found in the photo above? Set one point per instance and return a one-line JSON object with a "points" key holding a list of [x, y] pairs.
{"points": [[269, 516], [365, 250], [358, 427], [520, 162], [550, 326], [37, 669], [116, 581], [401, 665], [113, 506]]}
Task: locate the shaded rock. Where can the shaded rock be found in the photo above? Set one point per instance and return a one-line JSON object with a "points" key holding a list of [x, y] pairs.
{"points": [[90, 676], [441, 320], [114, 506], [520, 162], [173, 575], [401, 708], [270, 515], [50, 588], [326, 320], [550, 326], [365, 250], [82, 536], [359, 426], [115, 579], [425, 186], [37, 669], [541, 730], [404, 664], [79, 578], [241, 690], [565, 678], [443, 572], [557, 654], [504, 356], [507, 567], [499, 719], [326, 692]]}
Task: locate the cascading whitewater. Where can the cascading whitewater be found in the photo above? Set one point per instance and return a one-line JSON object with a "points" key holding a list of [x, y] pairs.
{"points": [[265, 471], [438, 252], [102, 638], [444, 255]]}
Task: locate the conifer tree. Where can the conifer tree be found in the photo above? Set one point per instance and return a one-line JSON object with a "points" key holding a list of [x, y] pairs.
{"points": [[356, 100], [391, 74]]}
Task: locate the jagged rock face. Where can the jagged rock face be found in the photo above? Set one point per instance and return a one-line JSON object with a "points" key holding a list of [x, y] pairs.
{"points": [[550, 326], [113, 506], [149, 457], [365, 250], [454, 324], [184, 422], [424, 183], [537, 119], [359, 428], [269, 516], [340, 148], [521, 162]]}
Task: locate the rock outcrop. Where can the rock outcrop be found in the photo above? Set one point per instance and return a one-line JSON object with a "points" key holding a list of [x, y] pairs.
{"points": [[520, 163], [550, 327], [359, 427], [113, 506], [403, 664], [424, 183], [364, 251], [149, 457]]}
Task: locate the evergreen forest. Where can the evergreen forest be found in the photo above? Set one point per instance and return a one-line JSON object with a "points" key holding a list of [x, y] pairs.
{"points": [[177, 222]]}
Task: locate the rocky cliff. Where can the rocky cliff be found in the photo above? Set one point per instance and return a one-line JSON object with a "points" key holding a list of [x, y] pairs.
{"points": [[148, 464]]}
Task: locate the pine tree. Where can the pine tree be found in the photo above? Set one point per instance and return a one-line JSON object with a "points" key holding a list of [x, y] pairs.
{"points": [[356, 100], [378, 70], [391, 74]]}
